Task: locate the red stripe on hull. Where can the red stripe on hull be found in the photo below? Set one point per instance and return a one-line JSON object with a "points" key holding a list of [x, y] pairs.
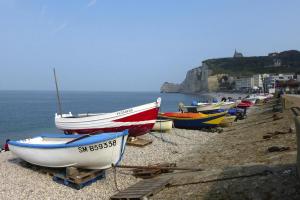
{"points": [[142, 116], [134, 130]]}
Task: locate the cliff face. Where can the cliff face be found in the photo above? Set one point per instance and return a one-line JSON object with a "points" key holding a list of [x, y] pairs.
{"points": [[170, 88], [196, 80]]}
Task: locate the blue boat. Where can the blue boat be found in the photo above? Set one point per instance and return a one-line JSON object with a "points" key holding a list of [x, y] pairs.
{"points": [[195, 120], [82, 151]]}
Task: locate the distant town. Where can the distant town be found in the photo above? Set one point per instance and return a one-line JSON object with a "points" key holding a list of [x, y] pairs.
{"points": [[267, 83]]}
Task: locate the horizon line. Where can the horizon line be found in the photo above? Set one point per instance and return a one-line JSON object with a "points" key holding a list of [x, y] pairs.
{"points": [[46, 90]]}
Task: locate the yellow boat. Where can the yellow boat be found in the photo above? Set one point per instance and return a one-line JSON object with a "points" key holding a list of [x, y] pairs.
{"points": [[163, 125], [227, 121], [194, 120]]}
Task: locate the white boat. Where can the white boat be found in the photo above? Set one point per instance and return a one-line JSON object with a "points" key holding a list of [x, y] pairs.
{"points": [[201, 107], [255, 97], [208, 106], [138, 120], [227, 105], [82, 151], [163, 125]]}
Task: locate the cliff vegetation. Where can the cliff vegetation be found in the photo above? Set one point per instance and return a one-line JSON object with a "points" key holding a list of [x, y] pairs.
{"points": [[283, 62]]}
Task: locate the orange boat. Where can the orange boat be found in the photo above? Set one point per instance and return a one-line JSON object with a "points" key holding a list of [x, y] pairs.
{"points": [[184, 115], [193, 120]]}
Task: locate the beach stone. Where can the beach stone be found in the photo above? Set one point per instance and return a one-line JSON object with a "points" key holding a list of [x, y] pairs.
{"points": [[20, 182]]}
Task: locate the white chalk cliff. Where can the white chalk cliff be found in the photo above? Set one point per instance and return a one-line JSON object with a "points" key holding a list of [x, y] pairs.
{"points": [[196, 80]]}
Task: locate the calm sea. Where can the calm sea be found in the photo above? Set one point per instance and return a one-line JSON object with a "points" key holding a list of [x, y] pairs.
{"points": [[27, 113]]}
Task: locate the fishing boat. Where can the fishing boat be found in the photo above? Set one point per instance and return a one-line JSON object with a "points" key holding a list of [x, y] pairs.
{"points": [[194, 120], [252, 100], [206, 107], [81, 151], [227, 121], [245, 104], [228, 104], [138, 120], [163, 125]]}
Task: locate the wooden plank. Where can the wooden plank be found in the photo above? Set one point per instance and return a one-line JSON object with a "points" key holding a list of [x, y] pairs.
{"points": [[142, 189], [138, 142], [79, 182]]}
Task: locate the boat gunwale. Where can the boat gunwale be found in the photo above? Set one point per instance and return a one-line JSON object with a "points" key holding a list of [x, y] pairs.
{"points": [[196, 118], [113, 116], [92, 139]]}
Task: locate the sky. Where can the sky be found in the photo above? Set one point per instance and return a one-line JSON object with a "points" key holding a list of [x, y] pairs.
{"points": [[133, 45]]}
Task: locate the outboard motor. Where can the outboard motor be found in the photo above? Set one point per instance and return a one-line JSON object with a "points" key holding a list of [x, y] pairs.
{"points": [[194, 103], [232, 111]]}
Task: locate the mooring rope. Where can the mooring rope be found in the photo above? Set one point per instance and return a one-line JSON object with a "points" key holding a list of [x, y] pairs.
{"points": [[164, 140], [263, 173], [115, 178]]}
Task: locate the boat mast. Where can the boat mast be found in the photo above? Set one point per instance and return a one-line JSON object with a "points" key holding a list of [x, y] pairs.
{"points": [[57, 94]]}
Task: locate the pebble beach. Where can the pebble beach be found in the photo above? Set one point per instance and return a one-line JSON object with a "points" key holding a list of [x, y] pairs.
{"points": [[237, 164], [19, 182]]}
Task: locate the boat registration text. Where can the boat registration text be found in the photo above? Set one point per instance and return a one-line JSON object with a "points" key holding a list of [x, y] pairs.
{"points": [[122, 112], [97, 147]]}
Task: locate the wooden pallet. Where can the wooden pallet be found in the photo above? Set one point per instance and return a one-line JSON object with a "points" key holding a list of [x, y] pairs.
{"points": [[70, 176], [138, 142], [143, 189], [150, 173], [79, 179]]}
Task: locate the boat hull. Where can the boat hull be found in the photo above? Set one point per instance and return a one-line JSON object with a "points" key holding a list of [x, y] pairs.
{"points": [[138, 120], [94, 155], [228, 105], [228, 120], [163, 125], [208, 108], [210, 121]]}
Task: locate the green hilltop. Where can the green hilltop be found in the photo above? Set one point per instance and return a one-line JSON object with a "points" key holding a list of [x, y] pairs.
{"points": [[283, 62]]}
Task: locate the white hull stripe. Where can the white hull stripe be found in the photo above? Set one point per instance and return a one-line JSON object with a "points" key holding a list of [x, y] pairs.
{"points": [[101, 125]]}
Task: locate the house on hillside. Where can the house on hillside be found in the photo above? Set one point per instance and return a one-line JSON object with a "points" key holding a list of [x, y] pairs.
{"points": [[271, 81], [237, 54], [258, 80], [244, 83], [273, 54]]}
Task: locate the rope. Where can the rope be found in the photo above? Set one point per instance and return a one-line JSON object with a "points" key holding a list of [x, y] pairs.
{"points": [[296, 111], [175, 132], [164, 140], [115, 178], [122, 150], [263, 173]]}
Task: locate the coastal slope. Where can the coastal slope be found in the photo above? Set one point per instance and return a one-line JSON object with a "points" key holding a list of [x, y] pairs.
{"points": [[207, 76]]}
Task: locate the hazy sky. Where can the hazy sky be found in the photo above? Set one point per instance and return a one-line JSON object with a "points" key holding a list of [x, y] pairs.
{"points": [[133, 45]]}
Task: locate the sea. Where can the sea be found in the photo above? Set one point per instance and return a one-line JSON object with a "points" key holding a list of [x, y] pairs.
{"points": [[24, 114]]}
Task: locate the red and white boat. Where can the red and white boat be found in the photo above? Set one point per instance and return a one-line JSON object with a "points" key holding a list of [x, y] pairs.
{"points": [[139, 120]]}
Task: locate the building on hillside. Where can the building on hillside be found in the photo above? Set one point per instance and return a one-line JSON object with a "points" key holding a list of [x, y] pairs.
{"points": [[244, 82], [258, 80], [237, 54], [277, 62], [273, 54], [270, 81]]}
